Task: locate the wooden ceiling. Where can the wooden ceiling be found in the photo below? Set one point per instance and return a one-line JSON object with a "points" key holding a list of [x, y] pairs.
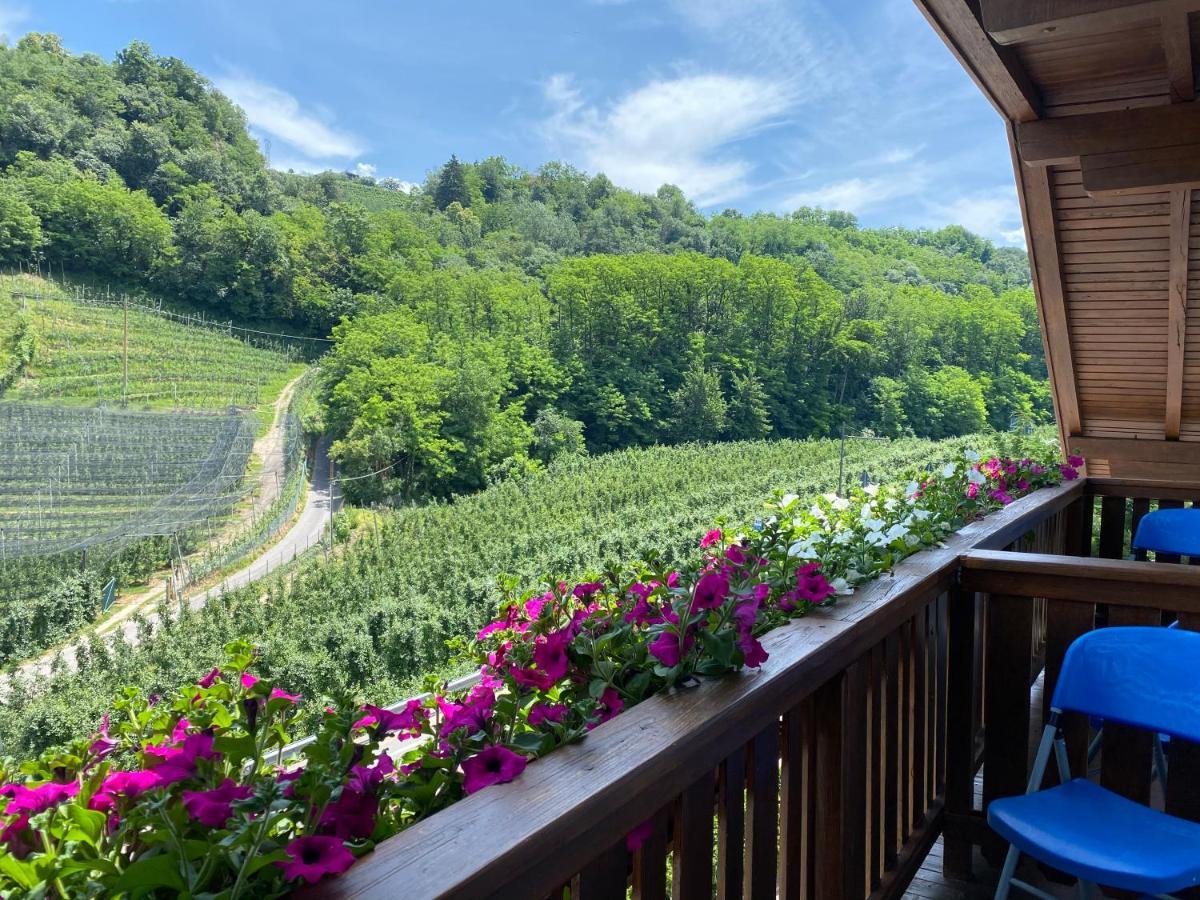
{"points": [[1100, 100]]}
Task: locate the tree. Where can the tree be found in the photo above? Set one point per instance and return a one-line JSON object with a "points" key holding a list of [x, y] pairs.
{"points": [[452, 186], [749, 419], [556, 434], [699, 408], [20, 229]]}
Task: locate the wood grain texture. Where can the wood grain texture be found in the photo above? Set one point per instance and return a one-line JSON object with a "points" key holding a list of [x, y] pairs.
{"points": [[1181, 207], [1013, 21], [1064, 140]]}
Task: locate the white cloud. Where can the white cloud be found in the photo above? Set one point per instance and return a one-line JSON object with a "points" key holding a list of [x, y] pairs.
{"points": [[11, 19], [993, 213], [299, 164], [859, 195], [365, 170], [677, 131], [277, 113]]}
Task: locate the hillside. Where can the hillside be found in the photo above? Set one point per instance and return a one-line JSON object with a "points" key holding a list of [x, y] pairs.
{"points": [[375, 620]]}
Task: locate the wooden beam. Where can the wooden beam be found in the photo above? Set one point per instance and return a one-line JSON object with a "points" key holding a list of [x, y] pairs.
{"points": [[996, 70], [1176, 453], [1181, 227], [1014, 21], [1041, 237], [1141, 171], [1062, 140], [1177, 45]]}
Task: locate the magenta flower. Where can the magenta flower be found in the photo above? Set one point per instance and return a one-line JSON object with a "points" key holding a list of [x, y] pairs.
{"points": [[277, 694], [248, 680], [131, 784], [611, 705], [667, 650], [734, 554], [492, 765], [972, 490], [1068, 473], [752, 651], [207, 680], [711, 591], [31, 801], [542, 713], [550, 654], [491, 628], [813, 586], [643, 612], [473, 713], [636, 838], [315, 856], [367, 779], [762, 591], [408, 720], [352, 815], [588, 589], [673, 580], [214, 808], [713, 537], [1075, 461]]}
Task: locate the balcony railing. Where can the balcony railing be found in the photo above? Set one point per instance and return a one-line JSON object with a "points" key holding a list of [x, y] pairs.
{"points": [[830, 772]]}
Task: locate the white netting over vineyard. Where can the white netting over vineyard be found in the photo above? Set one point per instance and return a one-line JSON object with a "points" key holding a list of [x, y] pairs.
{"points": [[75, 478]]}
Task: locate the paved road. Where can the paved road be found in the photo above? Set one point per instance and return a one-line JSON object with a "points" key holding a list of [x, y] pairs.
{"points": [[306, 531]]}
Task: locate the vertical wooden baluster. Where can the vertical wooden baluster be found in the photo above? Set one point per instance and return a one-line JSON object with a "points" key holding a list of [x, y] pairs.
{"points": [[876, 749], [892, 735], [960, 733], [1183, 776], [762, 815], [1141, 506], [793, 806], [1112, 527], [692, 871], [650, 862], [1125, 755], [606, 877], [841, 708], [1168, 557], [1065, 621], [943, 634], [920, 740], [906, 732], [1087, 507], [731, 825], [1006, 730]]}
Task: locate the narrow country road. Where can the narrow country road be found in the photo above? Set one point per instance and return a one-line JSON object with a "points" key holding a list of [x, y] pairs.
{"points": [[322, 501]]}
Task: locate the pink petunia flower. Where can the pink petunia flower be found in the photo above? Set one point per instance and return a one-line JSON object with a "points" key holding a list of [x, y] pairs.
{"points": [[734, 554], [636, 838], [1075, 461], [542, 713], [248, 681], [711, 591], [214, 808], [667, 649], [207, 680], [315, 856], [611, 705], [407, 721], [277, 694], [29, 801], [492, 765], [752, 651], [812, 585], [588, 589], [352, 815], [713, 537], [1068, 472]]}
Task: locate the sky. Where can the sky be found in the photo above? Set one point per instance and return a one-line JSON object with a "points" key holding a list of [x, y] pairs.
{"points": [[751, 104]]}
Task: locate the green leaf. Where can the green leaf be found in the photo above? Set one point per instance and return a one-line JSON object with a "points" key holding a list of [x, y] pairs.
{"points": [[150, 872], [87, 824], [21, 872]]}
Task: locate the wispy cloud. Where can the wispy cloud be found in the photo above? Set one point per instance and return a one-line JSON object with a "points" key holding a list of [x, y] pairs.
{"points": [[278, 114], [680, 131], [993, 213], [863, 194], [11, 19]]}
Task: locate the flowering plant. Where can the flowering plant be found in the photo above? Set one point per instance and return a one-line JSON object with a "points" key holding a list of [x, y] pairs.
{"points": [[183, 794]]}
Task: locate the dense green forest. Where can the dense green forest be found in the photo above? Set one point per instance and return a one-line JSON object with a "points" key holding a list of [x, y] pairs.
{"points": [[497, 318]]}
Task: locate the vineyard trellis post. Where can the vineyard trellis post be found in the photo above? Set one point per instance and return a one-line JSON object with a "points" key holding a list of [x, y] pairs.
{"points": [[125, 355]]}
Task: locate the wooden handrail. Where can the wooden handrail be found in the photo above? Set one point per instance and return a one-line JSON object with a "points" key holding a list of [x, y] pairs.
{"points": [[529, 837], [1166, 585]]}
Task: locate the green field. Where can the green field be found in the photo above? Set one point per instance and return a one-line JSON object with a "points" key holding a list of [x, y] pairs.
{"points": [[374, 620], [79, 355]]}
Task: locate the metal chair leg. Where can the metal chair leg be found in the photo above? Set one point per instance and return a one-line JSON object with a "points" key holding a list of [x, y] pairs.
{"points": [[1006, 874]]}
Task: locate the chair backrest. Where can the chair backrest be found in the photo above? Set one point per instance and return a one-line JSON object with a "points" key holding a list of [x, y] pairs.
{"points": [[1169, 531], [1145, 677]]}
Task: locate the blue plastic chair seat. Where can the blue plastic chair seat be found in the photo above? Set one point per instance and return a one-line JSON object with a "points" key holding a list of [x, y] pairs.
{"points": [[1174, 531], [1094, 834]]}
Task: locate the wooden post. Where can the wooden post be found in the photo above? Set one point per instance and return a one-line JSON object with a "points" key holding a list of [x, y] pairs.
{"points": [[960, 735]]}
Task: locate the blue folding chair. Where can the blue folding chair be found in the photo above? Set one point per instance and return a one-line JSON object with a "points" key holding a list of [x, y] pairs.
{"points": [[1147, 678], [1174, 531]]}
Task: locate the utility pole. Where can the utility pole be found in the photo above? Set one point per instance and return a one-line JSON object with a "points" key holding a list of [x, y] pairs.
{"points": [[125, 356]]}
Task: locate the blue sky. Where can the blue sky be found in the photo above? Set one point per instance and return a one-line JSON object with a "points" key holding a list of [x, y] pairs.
{"points": [[754, 104]]}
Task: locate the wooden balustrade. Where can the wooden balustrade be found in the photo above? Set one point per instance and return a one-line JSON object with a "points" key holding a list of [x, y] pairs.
{"points": [[821, 775], [1011, 597]]}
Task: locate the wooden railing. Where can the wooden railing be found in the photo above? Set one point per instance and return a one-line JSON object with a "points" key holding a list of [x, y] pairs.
{"points": [[1074, 595], [820, 775]]}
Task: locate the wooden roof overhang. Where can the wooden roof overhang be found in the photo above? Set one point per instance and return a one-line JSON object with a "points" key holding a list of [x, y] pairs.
{"points": [[1100, 101]]}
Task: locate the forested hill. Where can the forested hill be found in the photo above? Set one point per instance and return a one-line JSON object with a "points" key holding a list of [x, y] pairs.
{"points": [[495, 318]]}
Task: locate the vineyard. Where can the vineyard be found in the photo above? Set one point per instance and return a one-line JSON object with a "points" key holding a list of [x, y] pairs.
{"points": [[375, 619], [78, 342]]}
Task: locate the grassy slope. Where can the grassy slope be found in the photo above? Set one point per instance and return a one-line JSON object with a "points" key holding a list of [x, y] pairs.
{"points": [[374, 620], [171, 364]]}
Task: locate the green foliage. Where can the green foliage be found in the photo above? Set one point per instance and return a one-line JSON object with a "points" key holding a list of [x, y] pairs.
{"points": [[452, 186], [20, 227], [376, 619]]}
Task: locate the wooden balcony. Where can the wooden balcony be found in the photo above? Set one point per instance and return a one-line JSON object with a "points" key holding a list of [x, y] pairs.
{"points": [[875, 727]]}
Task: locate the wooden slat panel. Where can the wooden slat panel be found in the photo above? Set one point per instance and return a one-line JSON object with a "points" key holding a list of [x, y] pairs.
{"points": [[1112, 527], [1006, 701], [795, 817], [731, 825], [605, 877], [1181, 206], [1135, 172], [841, 799], [1013, 21], [692, 871], [650, 863], [762, 815], [1177, 47]]}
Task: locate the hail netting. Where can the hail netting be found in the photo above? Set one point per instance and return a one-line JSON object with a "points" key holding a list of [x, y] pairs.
{"points": [[74, 479]]}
